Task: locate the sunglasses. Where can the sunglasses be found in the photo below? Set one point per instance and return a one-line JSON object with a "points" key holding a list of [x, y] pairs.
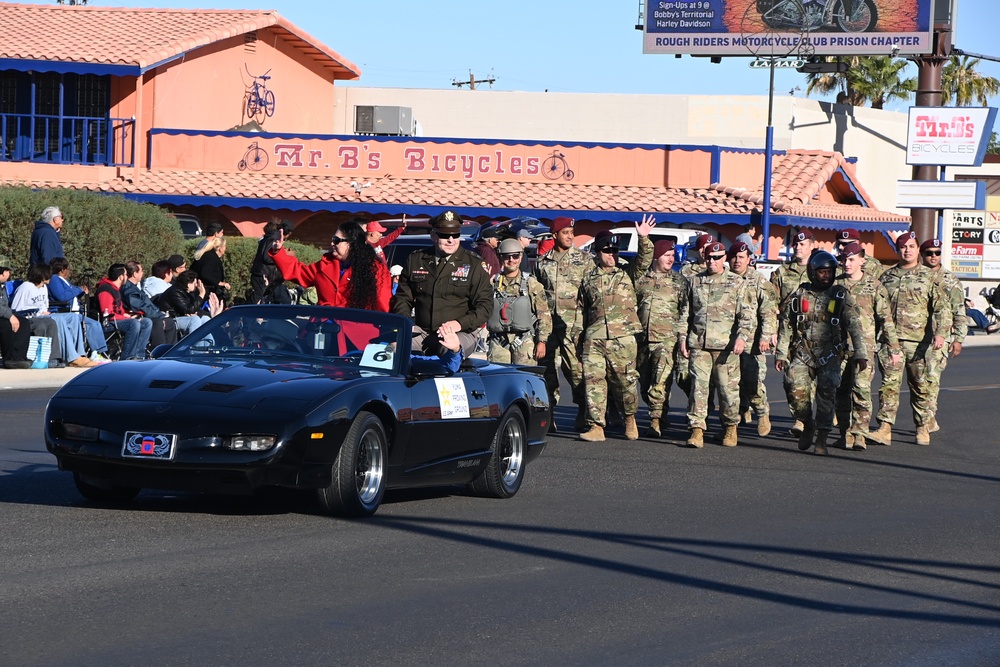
{"points": [[336, 240], [716, 258], [449, 235], [513, 255], [933, 253], [611, 250]]}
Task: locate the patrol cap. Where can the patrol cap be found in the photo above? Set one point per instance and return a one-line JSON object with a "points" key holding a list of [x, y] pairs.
{"points": [[851, 249], [737, 248], [903, 238], [375, 226], [603, 239], [715, 247], [661, 248], [926, 245], [560, 223], [395, 270], [447, 221], [803, 235], [703, 241], [5, 263], [845, 235], [510, 247]]}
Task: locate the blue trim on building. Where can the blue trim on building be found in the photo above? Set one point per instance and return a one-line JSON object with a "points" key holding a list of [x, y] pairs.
{"points": [[853, 188], [171, 59], [101, 69]]}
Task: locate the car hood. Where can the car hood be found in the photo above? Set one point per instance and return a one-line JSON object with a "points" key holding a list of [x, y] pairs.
{"points": [[286, 386]]}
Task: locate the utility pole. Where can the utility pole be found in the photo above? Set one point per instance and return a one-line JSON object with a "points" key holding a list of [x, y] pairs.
{"points": [[924, 221], [471, 83]]}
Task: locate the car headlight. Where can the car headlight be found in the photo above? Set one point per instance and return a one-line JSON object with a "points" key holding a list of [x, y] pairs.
{"points": [[72, 431], [250, 443]]}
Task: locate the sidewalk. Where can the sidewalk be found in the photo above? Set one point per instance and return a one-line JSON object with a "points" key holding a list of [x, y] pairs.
{"points": [[52, 378]]}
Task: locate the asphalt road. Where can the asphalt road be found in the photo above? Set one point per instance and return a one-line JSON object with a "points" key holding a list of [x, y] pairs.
{"points": [[612, 554]]}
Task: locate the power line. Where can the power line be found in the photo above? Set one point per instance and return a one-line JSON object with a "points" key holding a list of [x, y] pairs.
{"points": [[471, 83]]}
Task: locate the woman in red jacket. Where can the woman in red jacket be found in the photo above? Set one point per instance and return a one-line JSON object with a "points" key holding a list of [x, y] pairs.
{"points": [[349, 276]]}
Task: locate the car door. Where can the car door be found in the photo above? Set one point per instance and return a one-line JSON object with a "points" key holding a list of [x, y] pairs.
{"points": [[451, 424]]}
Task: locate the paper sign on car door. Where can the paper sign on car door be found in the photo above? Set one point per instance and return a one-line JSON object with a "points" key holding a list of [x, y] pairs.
{"points": [[454, 401]]}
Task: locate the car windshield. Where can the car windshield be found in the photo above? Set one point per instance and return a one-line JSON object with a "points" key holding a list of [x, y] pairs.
{"points": [[357, 338]]}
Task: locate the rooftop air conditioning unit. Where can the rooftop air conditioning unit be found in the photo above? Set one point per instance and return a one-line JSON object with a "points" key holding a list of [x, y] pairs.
{"points": [[388, 121]]}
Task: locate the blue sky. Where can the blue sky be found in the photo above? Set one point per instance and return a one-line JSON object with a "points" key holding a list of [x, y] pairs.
{"points": [[535, 45]]}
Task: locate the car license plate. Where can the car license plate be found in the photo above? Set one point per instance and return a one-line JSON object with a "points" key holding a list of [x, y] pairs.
{"points": [[141, 445]]}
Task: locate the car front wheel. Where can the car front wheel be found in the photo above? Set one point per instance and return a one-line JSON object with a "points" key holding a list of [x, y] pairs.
{"points": [[358, 479], [100, 492], [505, 471]]}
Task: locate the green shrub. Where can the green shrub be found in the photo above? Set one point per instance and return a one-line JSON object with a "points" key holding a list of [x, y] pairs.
{"points": [[98, 230]]}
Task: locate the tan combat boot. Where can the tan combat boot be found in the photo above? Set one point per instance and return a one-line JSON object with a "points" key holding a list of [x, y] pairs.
{"points": [[820, 444], [764, 424], [797, 428], [883, 435], [923, 435], [747, 417], [595, 434], [933, 427], [631, 430], [697, 438], [654, 430], [729, 436], [859, 441]]}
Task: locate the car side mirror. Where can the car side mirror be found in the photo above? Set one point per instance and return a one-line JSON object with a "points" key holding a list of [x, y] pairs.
{"points": [[160, 350]]}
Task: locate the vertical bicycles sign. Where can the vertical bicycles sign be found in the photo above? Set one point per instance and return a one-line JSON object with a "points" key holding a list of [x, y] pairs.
{"points": [[258, 105]]}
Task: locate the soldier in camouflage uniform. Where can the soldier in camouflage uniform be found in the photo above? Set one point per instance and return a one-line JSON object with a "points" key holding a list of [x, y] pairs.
{"points": [[659, 292], [753, 361], [872, 268], [813, 331], [954, 313], [560, 272], [716, 323], [916, 301], [696, 260], [790, 276], [610, 324], [520, 323], [854, 396]]}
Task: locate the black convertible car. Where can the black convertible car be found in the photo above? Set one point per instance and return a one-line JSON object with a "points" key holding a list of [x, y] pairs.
{"points": [[298, 396]]}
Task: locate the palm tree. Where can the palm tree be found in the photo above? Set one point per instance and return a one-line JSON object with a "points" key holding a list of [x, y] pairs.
{"points": [[961, 81], [872, 79]]}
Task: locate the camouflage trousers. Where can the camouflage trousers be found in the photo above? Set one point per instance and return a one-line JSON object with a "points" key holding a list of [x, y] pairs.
{"points": [[753, 393], [915, 362], [560, 352], [656, 368], [854, 399], [723, 368], [512, 349], [805, 385], [937, 361], [609, 367]]}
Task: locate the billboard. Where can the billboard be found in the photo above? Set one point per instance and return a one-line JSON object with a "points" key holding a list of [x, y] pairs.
{"points": [[780, 28], [950, 136]]}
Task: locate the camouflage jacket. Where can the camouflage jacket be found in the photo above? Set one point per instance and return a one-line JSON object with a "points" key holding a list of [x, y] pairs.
{"points": [[953, 314], [872, 268], [716, 310], [607, 301], [765, 304], [810, 330], [787, 278], [502, 287], [915, 300], [660, 296], [560, 275], [876, 317], [690, 269]]}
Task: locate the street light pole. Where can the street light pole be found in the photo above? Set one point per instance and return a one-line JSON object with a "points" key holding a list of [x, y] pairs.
{"points": [[765, 216]]}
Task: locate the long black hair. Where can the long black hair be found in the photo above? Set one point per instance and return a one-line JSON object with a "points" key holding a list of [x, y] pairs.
{"points": [[364, 267]]}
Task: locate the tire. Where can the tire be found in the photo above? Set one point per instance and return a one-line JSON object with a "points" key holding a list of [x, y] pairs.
{"points": [[553, 167], [269, 103], [252, 107], [359, 471], [256, 159], [505, 471], [101, 493], [864, 20]]}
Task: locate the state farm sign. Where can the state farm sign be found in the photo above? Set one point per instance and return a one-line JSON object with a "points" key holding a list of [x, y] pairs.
{"points": [[948, 136], [962, 250]]}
